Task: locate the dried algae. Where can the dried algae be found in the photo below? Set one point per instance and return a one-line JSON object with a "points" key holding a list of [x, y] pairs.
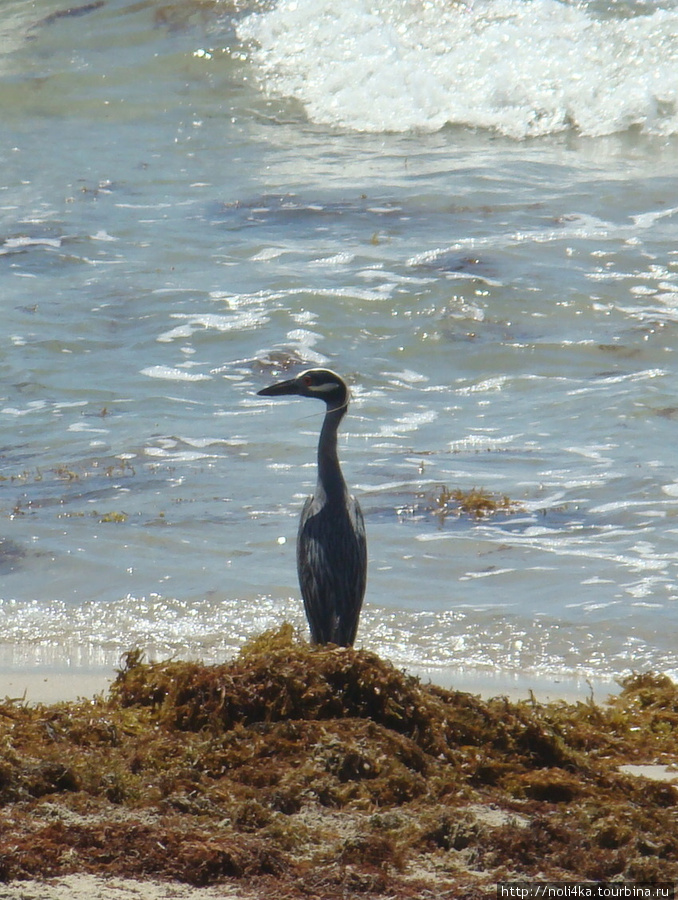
{"points": [[326, 772], [476, 503]]}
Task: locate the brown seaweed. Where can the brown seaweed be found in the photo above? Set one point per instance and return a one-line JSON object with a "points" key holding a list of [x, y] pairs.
{"points": [[327, 772]]}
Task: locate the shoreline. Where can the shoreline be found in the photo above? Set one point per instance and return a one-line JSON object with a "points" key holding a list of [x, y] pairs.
{"points": [[49, 685]]}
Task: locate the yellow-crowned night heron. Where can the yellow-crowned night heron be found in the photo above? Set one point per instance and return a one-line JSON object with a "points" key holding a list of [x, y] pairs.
{"points": [[331, 546]]}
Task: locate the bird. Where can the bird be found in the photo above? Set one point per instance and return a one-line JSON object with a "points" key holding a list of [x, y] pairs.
{"points": [[331, 542]]}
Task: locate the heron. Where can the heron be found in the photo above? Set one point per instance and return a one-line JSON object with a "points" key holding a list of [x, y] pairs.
{"points": [[331, 544]]}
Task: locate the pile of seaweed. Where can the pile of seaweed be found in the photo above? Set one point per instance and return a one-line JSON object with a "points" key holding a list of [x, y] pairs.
{"points": [[326, 772]]}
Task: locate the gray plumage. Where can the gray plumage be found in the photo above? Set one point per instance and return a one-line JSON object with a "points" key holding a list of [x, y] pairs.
{"points": [[331, 545]]}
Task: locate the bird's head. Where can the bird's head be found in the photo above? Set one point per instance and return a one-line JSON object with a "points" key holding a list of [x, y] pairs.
{"points": [[320, 383]]}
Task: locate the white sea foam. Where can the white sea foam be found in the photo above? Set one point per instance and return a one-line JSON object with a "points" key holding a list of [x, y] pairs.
{"points": [[521, 67], [211, 322], [170, 373]]}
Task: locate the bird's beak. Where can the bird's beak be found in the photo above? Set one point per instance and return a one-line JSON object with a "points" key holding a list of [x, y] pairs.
{"points": [[282, 387]]}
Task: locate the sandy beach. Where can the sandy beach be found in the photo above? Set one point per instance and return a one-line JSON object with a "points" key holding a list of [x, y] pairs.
{"points": [[89, 887], [50, 686]]}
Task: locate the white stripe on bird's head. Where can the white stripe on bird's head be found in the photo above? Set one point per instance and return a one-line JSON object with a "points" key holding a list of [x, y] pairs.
{"points": [[323, 388]]}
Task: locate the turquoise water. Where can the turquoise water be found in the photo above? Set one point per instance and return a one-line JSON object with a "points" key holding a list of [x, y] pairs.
{"points": [[477, 224]]}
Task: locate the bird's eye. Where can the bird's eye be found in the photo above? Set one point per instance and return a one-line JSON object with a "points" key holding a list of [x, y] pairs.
{"points": [[308, 381]]}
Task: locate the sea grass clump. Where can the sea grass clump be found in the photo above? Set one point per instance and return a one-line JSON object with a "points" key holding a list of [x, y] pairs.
{"points": [[476, 503], [640, 724], [304, 771], [276, 678]]}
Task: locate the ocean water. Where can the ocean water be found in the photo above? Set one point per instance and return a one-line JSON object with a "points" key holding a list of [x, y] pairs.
{"points": [[470, 210]]}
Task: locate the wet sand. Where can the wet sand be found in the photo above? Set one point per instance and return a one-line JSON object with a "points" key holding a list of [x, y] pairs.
{"points": [[37, 685], [53, 686]]}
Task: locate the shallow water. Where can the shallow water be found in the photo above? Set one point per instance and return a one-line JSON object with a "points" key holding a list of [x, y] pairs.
{"points": [[198, 200]]}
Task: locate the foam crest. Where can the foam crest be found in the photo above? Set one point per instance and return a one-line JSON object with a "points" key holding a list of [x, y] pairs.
{"points": [[520, 67]]}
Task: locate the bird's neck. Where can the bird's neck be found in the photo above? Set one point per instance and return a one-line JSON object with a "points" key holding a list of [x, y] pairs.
{"points": [[329, 472]]}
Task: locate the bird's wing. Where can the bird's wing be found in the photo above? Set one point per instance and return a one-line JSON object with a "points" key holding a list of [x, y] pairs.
{"points": [[332, 565], [360, 571], [310, 566]]}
